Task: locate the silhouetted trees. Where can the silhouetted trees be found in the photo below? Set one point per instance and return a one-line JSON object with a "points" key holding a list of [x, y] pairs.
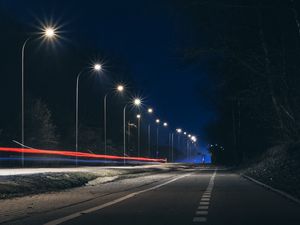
{"points": [[40, 129], [254, 47]]}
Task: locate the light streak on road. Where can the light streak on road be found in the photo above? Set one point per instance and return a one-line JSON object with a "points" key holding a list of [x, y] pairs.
{"points": [[77, 154]]}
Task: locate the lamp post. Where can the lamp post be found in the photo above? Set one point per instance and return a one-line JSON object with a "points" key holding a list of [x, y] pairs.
{"points": [[119, 89], [136, 102], [193, 140], [187, 145], [169, 147], [138, 116], [47, 33], [97, 67], [172, 146], [157, 121], [165, 124], [150, 111], [179, 131]]}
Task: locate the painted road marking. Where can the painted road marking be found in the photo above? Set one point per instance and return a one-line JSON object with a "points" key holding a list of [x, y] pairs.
{"points": [[93, 209], [201, 213], [199, 219], [204, 202]]}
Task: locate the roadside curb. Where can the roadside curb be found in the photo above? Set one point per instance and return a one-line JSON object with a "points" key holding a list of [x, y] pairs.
{"points": [[282, 193]]}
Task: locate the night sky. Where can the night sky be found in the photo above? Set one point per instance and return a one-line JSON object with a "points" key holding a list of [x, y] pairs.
{"points": [[148, 36]]}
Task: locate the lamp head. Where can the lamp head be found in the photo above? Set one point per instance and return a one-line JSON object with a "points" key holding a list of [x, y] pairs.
{"points": [[120, 88], [49, 32], [97, 67], [137, 102]]}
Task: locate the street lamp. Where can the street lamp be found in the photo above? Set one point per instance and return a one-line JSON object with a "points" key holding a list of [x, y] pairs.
{"points": [[49, 33], [172, 147], [138, 116], [165, 124], [97, 67], [137, 103], [179, 131], [157, 121], [150, 111], [120, 89]]}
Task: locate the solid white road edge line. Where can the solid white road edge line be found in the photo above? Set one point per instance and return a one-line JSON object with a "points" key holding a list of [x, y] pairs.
{"points": [[80, 213], [290, 197]]}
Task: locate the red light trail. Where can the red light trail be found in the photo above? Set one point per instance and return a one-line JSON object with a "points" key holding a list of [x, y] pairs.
{"points": [[78, 154]]}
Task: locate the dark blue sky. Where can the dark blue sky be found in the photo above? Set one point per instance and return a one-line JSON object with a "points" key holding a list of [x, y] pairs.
{"points": [[148, 35]]}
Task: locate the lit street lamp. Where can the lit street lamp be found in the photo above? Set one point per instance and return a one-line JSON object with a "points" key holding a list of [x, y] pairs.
{"points": [[150, 111], [97, 68], [172, 147], [157, 121], [120, 88], [138, 116], [48, 33], [179, 131], [136, 102]]}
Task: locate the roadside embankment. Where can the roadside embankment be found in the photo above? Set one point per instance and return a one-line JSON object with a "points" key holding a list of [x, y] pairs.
{"points": [[279, 167], [21, 182]]}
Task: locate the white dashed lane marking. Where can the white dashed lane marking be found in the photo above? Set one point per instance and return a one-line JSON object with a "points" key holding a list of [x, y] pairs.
{"points": [[202, 207], [202, 210], [199, 219], [204, 203], [202, 213]]}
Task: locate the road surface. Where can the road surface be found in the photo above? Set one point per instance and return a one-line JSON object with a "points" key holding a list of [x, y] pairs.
{"points": [[182, 197]]}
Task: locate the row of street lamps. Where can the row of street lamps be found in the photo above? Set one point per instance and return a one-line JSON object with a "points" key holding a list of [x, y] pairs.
{"points": [[50, 33]]}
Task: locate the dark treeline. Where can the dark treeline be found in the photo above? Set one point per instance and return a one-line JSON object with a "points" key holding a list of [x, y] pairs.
{"points": [[253, 50]]}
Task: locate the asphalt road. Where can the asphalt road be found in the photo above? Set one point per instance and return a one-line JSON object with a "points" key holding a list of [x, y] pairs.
{"points": [[186, 196]]}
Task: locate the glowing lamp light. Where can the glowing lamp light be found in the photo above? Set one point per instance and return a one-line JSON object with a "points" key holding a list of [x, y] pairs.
{"points": [[97, 67], [138, 116], [49, 32], [120, 88], [165, 124], [157, 121], [184, 133], [189, 135], [137, 101], [193, 138], [150, 110], [178, 130]]}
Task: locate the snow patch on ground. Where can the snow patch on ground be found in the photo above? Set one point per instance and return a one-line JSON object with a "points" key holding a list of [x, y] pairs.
{"points": [[102, 180]]}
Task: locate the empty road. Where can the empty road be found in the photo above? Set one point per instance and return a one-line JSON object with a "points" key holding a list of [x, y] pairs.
{"points": [[184, 196]]}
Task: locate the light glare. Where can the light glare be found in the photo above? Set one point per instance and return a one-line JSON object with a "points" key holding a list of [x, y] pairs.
{"points": [[120, 88], [97, 67], [49, 32], [137, 102]]}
